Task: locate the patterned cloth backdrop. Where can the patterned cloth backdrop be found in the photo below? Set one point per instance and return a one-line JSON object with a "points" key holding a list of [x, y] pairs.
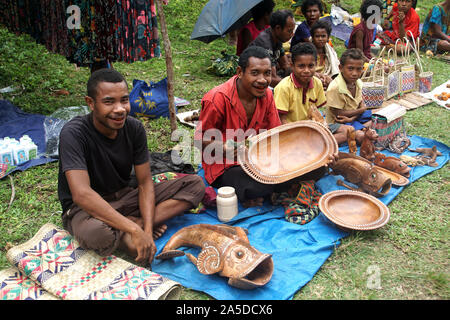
{"points": [[114, 30]]}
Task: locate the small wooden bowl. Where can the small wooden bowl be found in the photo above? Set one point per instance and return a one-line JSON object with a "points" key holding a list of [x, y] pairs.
{"points": [[287, 151], [354, 210]]}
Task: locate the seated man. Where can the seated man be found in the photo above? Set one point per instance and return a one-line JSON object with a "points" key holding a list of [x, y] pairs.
{"points": [[281, 29], [344, 94], [241, 107], [97, 152], [233, 111], [296, 95]]}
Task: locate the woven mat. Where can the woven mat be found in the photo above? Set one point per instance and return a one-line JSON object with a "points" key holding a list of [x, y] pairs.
{"points": [[52, 265]]}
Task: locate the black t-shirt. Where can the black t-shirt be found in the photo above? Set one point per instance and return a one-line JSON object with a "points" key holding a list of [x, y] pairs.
{"points": [[264, 40], [108, 161]]}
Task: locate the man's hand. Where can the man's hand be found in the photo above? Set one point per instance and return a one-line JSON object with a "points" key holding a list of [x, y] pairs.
{"points": [[145, 246], [401, 16], [343, 119]]}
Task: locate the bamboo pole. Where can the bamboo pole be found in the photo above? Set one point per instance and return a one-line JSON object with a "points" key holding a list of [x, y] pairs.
{"points": [[169, 65]]}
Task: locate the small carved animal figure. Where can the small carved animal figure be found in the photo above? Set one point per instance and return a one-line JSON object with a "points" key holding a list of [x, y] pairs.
{"points": [[367, 149], [428, 155], [411, 161], [351, 140], [392, 163], [225, 250], [431, 152], [314, 114], [368, 178]]}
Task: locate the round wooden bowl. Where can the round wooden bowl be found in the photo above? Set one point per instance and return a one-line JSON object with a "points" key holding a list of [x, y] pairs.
{"points": [[287, 151], [354, 210]]}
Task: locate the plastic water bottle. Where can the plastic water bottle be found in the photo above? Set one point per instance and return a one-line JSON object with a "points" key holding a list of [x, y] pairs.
{"points": [[29, 146], [6, 155], [19, 152]]}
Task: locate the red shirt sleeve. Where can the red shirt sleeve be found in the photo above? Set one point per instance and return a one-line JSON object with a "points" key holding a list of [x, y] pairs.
{"points": [[272, 112]]}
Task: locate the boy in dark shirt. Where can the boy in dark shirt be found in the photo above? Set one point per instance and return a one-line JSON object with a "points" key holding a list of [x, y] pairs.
{"points": [[97, 153]]}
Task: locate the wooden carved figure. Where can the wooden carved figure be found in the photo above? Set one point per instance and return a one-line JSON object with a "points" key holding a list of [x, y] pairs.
{"points": [[367, 149], [225, 250], [351, 140], [392, 163], [314, 114]]}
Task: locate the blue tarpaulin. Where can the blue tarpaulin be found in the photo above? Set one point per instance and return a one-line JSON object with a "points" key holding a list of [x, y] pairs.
{"points": [[298, 250], [15, 123]]}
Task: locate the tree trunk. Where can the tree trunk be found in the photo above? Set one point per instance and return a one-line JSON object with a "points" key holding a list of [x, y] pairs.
{"points": [[169, 65]]}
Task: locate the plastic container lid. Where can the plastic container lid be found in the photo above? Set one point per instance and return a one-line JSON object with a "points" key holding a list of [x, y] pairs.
{"points": [[226, 192]]}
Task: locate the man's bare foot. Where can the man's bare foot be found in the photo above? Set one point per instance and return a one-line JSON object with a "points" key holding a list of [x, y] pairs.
{"points": [[159, 231], [253, 202]]}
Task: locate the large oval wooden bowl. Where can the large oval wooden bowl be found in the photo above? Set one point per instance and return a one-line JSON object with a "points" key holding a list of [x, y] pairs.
{"points": [[287, 151], [354, 210]]}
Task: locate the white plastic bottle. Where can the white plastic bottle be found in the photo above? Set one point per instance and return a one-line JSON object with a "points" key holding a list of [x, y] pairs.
{"points": [[6, 155], [29, 146], [227, 204], [19, 152]]}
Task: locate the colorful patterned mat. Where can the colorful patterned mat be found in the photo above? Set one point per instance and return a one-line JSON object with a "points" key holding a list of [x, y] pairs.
{"points": [[52, 266]]}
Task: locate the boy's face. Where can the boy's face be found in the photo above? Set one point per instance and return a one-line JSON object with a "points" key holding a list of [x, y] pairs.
{"points": [[352, 70], [320, 38], [312, 14], [304, 68], [404, 5]]}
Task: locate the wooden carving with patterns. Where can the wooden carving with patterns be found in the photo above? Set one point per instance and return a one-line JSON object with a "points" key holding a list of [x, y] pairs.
{"points": [[351, 140], [428, 155], [361, 173], [392, 163], [287, 151], [367, 149], [314, 114], [225, 250]]}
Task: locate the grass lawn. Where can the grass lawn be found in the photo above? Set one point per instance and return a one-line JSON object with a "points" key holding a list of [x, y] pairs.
{"points": [[410, 254]]}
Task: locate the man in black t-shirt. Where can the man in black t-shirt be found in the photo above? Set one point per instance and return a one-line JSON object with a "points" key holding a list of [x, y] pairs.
{"points": [[282, 26], [97, 153]]}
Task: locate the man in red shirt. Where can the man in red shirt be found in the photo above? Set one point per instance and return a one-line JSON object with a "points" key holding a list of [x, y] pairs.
{"points": [[232, 112]]}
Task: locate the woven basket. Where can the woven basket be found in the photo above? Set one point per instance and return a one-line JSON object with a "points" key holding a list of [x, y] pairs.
{"points": [[374, 88], [407, 72], [425, 79], [393, 77], [287, 151]]}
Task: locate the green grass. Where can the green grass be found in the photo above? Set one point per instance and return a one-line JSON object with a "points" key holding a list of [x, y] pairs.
{"points": [[410, 253]]}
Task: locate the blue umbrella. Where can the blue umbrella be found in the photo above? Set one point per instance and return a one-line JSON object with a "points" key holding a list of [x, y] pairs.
{"points": [[219, 17]]}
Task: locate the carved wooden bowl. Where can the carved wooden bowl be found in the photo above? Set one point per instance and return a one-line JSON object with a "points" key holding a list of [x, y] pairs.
{"points": [[354, 210], [287, 151]]}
